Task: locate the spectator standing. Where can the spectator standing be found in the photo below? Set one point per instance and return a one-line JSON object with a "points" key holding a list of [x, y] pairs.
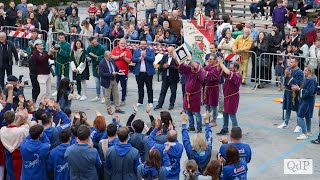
{"points": [[42, 18], [105, 13], [226, 46], [122, 56], [175, 22], [225, 25], [83, 160], [274, 42], [11, 14], [113, 7], [194, 77], [102, 30], [254, 33], [68, 10], [190, 7], [146, 35], [279, 16], [7, 51], [231, 95], [74, 20], [293, 76], [108, 71], [310, 32], [122, 159], [86, 32], [92, 19], [170, 78], [117, 32], [144, 71], [55, 15], [209, 5], [63, 59], [314, 57], [61, 23], [127, 16], [303, 6], [179, 4], [34, 148], [95, 55], [132, 34], [240, 45], [155, 26], [23, 7], [150, 6]]}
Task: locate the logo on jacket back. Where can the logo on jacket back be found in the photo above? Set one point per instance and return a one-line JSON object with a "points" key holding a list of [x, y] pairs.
{"points": [[32, 164], [61, 168]]}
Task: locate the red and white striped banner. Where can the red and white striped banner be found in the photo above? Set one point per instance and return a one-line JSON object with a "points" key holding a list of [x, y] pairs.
{"points": [[233, 58], [21, 34]]}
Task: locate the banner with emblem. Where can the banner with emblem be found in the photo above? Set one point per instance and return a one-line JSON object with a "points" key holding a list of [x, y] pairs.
{"points": [[198, 34]]}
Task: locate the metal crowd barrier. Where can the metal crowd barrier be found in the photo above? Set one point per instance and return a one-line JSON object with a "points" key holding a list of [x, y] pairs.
{"points": [[20, 36], [72, 37]]}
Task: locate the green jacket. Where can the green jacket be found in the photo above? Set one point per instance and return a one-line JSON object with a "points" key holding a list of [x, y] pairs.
{"points": [[98, 51], [30, 49], [58, 25], [63, 59], [235, 34]]}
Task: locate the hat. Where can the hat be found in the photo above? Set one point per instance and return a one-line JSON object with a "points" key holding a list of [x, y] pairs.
{"points": [[38, 41], [12, 78]]}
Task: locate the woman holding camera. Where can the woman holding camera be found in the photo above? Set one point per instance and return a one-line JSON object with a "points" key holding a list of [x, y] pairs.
{"points": [[41, 59], [80, 68]]}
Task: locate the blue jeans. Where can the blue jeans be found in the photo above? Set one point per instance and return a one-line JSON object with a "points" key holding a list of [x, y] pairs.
{"points": [[287, 117], [190, 13], [253, 8], [98, 86], [214, 110], [149, 12], [305, 125], [59, 80], [233, 118], [191, 119]]}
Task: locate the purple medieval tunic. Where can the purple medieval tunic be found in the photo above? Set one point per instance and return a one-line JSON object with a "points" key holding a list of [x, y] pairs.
{"points": [[193, 86], [231, 92], [211, 89]]}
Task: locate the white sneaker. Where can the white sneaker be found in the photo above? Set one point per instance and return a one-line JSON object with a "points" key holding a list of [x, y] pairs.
{"points": [[82, 98], [151, 105], [302, 137], [55, 93], [103, 101], [252, 16], [220, 116], [269, 18], [96, 99], [78, 96], [298, 129], [155, 100], [139, 104], [263, 18], [283, 126], [309, 134], [259, 16]]}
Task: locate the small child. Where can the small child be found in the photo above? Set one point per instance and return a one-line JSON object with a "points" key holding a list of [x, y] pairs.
{"points": [[92, 8], [64, 95], [279, 72], [28, 26], [292, 17]]}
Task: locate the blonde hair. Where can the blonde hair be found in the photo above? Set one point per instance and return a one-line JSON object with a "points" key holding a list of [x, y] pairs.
{"points": [[199, 142]]}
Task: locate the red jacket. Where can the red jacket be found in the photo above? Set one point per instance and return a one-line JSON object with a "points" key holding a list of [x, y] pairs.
{"points": [[293, 21], [311, 37]]}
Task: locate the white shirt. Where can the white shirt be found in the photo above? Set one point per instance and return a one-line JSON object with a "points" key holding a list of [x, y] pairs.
{"points": [[143, 65], [169, 62]]}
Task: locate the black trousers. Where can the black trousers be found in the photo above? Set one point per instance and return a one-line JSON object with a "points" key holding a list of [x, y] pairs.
{"points": [[166, 84], [272, 5], [144, 78], [3, 69], [35, 86]]}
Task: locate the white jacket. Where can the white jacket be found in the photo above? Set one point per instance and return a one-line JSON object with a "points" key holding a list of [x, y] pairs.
{"points": [[221, 27], [314, 56], [226, 48], [149, 4], [113, 7]]}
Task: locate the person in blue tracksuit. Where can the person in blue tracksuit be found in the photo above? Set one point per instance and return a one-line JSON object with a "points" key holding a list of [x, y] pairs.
{"points": [[234, 167], [201, 148], [56, 161], [83, 160], [244, 149], [122, 159], [308, 89], [174, 153], [34, 150], [53, 132], [154, 167]]}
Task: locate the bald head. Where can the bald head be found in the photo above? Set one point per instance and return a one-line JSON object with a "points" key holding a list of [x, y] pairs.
{"points": [[170, 50], [249, 24], [107, 55], [122, 43], [103, 6], [172, 136], [3, 37], [246, 32]]}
